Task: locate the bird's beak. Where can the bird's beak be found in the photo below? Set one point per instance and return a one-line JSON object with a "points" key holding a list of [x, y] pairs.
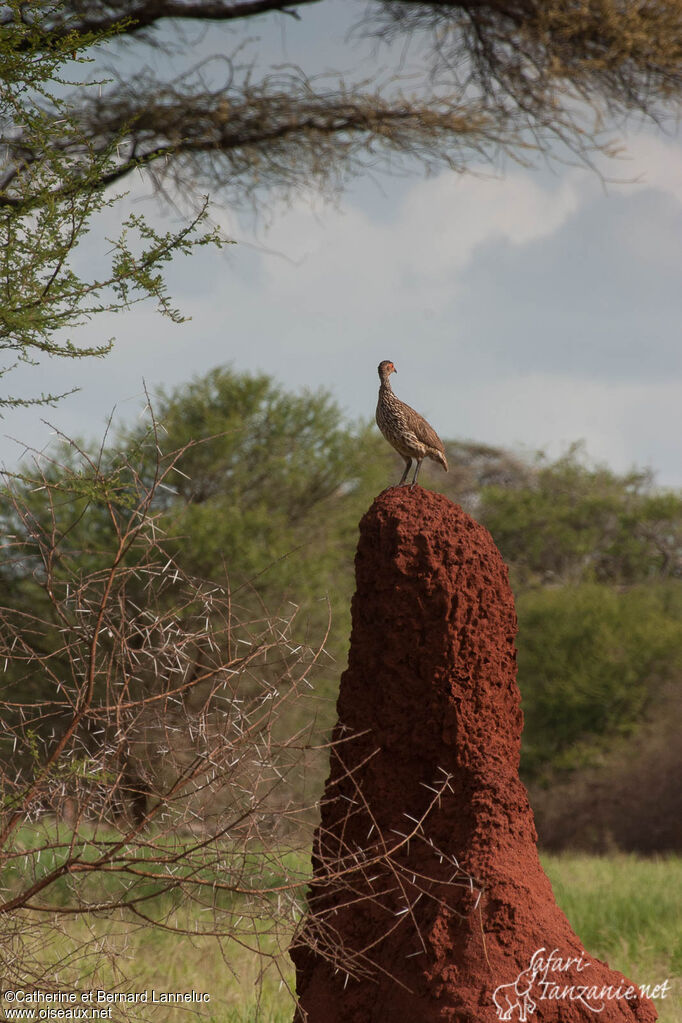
{"points": [[394, 370]]}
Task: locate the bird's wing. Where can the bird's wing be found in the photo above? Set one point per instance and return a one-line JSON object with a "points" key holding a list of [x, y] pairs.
{"points": [[425, 432], [411, 438]]}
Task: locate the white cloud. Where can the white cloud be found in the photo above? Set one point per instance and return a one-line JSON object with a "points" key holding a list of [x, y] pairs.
{"points": [[433, 235], [649, 161], [624, 424], [467, 283], [448, 217]]}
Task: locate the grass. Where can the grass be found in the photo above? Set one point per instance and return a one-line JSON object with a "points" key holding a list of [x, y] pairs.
{"points": [[136, 958], [626, 911]]}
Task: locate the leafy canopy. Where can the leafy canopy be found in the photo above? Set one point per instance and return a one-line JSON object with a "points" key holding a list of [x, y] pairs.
{"points": [[53, 178]]}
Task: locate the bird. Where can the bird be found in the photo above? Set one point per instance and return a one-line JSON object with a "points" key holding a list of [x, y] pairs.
{"points": [[405, 429]]}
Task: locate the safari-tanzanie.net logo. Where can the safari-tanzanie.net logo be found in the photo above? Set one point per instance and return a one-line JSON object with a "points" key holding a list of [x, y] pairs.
{"points": [[545, 979]]}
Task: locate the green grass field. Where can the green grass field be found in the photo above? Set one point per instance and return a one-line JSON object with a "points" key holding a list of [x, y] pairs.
{"points": [[626, 910]]}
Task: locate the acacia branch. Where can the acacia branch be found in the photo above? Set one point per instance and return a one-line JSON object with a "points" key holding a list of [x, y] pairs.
{"points": [[129, 18]]}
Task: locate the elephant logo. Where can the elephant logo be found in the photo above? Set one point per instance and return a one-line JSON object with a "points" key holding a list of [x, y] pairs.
{"points": [[516, 997], [508, 997]]}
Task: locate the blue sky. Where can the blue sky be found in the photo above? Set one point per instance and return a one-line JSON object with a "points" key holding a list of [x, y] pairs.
{"points": [[529, 309]]}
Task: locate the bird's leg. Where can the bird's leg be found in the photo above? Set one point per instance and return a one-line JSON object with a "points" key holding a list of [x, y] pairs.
{"points": [[416, 472], [408, 464]]}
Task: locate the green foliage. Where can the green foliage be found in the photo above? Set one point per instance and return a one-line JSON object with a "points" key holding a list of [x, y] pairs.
{"points": [[570, 521], [272, 489], [591, 659], [593, 558], [268, 493], [53, 176]]}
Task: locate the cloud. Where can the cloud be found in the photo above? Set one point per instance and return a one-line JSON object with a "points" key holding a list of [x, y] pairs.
{"points": [[533, 309], [648, 161], [423, 248], [598, 299], [626, 424]]}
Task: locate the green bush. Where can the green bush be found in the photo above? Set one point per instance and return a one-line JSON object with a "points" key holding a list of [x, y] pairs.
{"points": [[591, 659], [570, 521]]}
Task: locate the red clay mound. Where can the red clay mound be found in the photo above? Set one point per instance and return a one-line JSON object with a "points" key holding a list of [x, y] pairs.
{"points": [[429, 901]]}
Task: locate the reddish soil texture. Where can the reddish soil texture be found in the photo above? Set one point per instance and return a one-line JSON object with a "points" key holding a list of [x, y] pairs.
{"points": [[432, 928]]}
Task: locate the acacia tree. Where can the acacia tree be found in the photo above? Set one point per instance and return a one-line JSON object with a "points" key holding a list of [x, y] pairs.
{"points": [[144, 765], [488, 77], [52, 193]]}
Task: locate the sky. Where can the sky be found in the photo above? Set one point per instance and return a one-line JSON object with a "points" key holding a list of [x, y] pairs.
{"points": [[527, 310]]}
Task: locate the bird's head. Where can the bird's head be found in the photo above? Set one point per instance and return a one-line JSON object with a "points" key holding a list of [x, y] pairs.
{"points": [[385, 369]]}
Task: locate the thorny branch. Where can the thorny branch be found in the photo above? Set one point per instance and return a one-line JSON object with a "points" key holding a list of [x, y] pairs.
{"points": [[154, 741], [486, 79]]}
